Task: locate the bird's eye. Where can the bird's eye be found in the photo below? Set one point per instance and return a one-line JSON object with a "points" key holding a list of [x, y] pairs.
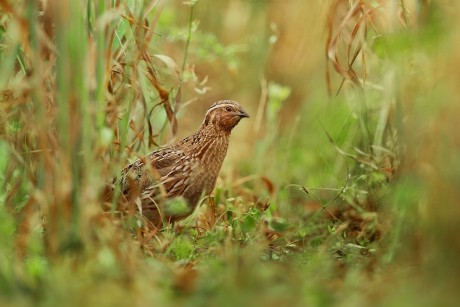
{"points": [[228, 109]]}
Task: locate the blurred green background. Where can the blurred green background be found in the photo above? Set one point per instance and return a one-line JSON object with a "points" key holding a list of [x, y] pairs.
{"points": [[341, 189]]}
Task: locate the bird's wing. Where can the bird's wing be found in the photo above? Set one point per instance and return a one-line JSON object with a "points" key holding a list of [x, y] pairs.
{"points": [[177, 180], [165, 159], [161, 172]]}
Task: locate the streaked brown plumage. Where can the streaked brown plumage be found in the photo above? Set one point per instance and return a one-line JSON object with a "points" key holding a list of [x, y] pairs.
{"points": [[187, 168]]}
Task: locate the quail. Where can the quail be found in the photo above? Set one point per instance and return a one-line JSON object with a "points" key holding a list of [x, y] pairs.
{"points": [[186, 169]]}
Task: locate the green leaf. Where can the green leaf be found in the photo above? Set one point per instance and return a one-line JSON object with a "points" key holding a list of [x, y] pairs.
{"points": [[248, 224], [176, 207], [279, 224]]}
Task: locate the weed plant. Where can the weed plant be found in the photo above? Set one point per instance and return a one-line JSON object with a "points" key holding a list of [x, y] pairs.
{"points": [[342, 189]]}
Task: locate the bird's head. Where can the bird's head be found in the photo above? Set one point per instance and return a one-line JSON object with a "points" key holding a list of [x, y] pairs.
{"points": [[224, 115]]}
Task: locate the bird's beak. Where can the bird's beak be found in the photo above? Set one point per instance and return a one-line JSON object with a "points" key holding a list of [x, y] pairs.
{"points": [[243, 114]]}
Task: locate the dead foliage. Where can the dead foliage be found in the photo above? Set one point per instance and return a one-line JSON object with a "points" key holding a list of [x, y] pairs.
{"points": [[66, 102], [352, 28]]}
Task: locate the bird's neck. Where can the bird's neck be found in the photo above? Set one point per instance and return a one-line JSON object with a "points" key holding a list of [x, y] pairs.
{"points": [[210, 144]]}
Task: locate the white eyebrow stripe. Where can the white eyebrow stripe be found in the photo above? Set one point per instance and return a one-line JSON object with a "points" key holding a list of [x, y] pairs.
{"points": [[220, 105]]}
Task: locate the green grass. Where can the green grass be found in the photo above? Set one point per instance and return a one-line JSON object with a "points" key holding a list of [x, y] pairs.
{"points": [[341, 189]]}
